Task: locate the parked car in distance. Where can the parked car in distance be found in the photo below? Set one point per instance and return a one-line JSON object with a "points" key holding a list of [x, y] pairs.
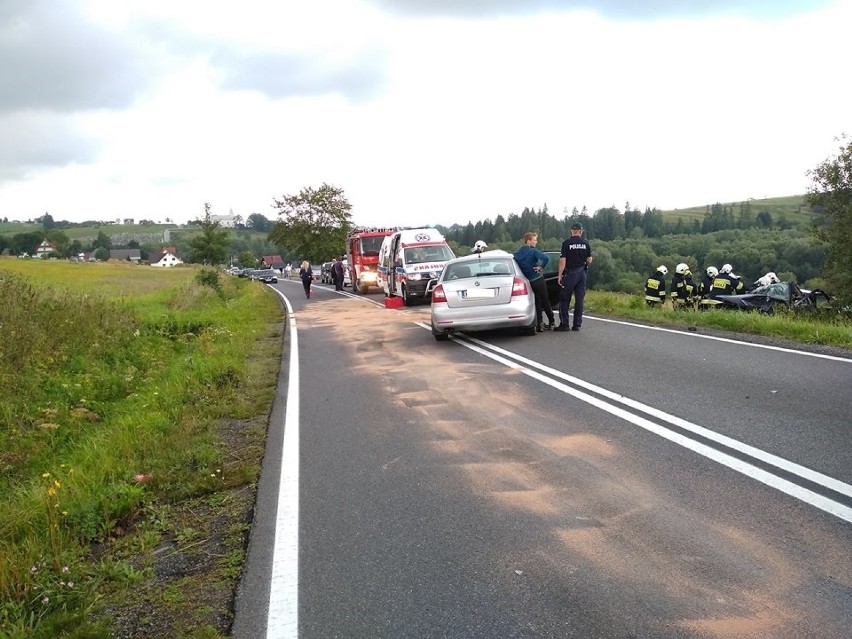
{"points": [[481, 292], [325, 273], [266, 275]]}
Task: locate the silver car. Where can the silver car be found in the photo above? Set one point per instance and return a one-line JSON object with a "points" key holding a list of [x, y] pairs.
{"points": [[481, 292]]}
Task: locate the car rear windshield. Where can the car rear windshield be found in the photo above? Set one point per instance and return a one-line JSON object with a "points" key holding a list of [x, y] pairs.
{"points": [[479, 268]]}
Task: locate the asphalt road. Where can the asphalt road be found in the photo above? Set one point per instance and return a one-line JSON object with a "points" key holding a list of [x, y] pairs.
{"points": [[617, 482]]}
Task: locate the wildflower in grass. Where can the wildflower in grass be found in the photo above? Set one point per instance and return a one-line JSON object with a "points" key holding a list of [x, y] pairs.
{"points": [[45, 601]]}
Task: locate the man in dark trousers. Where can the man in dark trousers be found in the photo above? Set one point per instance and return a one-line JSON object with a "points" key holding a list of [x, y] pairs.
{"points": [[573, 263], [337, 272]]}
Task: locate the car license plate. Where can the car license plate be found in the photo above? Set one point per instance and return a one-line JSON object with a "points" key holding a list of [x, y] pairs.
{"points": [[479, 293]]}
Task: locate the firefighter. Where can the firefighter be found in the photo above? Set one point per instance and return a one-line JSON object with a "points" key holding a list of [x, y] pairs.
{"points": [[655, 287], [737, 284], [479, 247], [705, 285], [726, 283], [766, 280], [682, 290]]}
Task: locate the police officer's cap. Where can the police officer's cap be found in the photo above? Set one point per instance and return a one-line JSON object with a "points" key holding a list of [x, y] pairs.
{"points": [[576, 226]]}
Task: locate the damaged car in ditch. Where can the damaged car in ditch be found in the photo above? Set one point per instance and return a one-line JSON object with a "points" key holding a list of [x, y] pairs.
{"points": [[783, 294]]}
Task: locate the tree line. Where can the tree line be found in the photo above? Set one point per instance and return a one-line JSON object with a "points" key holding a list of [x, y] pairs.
{"points": [[612, 223]]}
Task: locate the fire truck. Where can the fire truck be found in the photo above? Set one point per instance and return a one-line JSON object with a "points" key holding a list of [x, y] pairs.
{"points": [[362, 255]]}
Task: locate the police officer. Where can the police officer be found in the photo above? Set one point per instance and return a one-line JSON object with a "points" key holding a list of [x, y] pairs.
{"points": [[655, 287], [573, 263], [682, 289]]}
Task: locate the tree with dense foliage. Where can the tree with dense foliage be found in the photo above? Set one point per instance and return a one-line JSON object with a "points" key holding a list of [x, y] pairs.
{"points": [[258, 222], [830, 194], [313, 225], [25, 242], [247, 259], [211, 247], [102, 241]]}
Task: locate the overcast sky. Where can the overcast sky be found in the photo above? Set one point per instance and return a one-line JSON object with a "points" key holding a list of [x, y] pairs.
{"points": [[422, 111]]}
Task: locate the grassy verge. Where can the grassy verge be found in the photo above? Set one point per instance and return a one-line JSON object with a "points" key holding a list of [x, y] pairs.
{"points": [[133, 411], [803, 327]]}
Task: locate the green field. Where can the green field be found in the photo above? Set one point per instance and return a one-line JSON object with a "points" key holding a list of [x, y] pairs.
{"points": [[792, 208]]}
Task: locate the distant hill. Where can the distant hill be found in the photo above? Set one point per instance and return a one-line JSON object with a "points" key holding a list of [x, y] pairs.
{"points": [[792, 208]]}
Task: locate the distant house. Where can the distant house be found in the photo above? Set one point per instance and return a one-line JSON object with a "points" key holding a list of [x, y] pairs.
{"points": [[165, 259], [130, 255], [225, 221], [273, 261], [45, 248]]}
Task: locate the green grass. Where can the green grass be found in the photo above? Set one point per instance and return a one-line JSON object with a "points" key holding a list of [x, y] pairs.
{"points": [[792, 208], [134, 400], [113, 380], [822, 328]]}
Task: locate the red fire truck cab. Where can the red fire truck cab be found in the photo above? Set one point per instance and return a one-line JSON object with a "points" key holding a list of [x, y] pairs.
{"points": [[362, 254]]}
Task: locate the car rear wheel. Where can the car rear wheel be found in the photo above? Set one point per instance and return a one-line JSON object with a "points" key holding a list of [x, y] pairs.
{"points": [[440, 335], [529, 330]]}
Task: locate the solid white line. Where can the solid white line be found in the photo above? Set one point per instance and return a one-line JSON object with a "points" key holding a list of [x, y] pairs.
{"points": [[283, 618], [785, 486], [757, 453], [721, 339]]}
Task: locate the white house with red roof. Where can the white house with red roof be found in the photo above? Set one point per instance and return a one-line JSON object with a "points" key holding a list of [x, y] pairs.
{"points": [[45, 248]]}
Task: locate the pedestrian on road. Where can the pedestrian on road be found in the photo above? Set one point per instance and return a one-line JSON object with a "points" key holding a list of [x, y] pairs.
{"points": [[307, 277], [655, 287], [337, 274], [574, 261], [532, 261]]}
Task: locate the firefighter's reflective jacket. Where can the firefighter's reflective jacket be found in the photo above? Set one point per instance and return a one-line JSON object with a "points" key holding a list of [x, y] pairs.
{"points": [[655, 288], [682, 289], [723, 284]]}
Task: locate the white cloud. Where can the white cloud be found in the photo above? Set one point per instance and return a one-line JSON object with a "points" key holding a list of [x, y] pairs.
{"points": [[422, 119]]}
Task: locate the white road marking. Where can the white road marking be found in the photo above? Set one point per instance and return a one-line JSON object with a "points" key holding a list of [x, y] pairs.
{"points": [[721, 339], [283, 617], [808, 496]]}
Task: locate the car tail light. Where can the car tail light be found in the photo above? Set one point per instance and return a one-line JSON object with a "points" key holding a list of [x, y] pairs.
{"points": [[519, 287], [438, 294]]}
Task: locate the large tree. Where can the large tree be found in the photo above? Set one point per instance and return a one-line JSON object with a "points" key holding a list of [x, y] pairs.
{"points": [[258, 222], [830, 195], [313, 225], [211, 247]]}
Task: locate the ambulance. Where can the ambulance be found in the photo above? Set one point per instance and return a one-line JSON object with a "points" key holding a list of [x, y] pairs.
{"points": [[410, 261]]}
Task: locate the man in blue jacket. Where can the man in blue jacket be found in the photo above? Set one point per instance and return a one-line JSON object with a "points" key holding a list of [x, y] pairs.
{"points": [[532, 261]]}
